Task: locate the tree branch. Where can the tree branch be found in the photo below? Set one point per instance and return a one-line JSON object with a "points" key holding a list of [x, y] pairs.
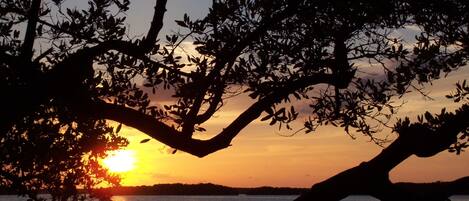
{"points": [[427, 142], [125, 47], [66, 31], [74, 69], [372, 177], [211, 109], [174, 138], [155, 27], [160, 65], [33, 16], [228, 54]]}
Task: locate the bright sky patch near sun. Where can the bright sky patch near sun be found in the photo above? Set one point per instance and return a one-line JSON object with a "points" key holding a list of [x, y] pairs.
{"points": [[120, 161]]}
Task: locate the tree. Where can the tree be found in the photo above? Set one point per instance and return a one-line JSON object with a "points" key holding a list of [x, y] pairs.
{"points": [[44, 145], [274, 51]]}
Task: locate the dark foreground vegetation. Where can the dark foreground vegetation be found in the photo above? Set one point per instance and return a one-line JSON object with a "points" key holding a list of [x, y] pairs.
{"points": [[66, 71]]}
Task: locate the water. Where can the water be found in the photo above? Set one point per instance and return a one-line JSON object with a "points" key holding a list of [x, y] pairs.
{"points": [[203, 198], [222, 198]]}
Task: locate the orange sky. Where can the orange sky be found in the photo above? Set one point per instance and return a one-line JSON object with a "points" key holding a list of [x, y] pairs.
{"points": [[260, 156]]}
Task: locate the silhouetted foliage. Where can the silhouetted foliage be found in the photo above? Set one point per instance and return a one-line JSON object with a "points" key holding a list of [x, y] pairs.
{"points": [[350, 60], [45, 146]]}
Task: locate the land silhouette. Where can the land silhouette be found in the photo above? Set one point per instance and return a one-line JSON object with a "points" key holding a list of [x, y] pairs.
{"points": [[214, 189], [58, 98]]}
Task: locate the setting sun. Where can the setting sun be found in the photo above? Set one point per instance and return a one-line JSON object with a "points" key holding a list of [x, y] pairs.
{"points": [[120, 161]]}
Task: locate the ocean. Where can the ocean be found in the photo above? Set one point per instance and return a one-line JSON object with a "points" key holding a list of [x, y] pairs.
{"points": [[222, 198]]}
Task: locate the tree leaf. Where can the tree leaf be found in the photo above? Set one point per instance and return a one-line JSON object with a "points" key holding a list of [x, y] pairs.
{"points": [[267, 117], [119, 127], [181, 23], [144, 141]]}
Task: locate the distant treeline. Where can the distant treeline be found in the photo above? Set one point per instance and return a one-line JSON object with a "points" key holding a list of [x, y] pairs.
{"points": [[213, 189], [198, 189]]}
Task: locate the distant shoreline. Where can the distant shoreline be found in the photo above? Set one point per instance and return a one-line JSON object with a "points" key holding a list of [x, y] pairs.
{"points": [[205, 189], [199, 189]]}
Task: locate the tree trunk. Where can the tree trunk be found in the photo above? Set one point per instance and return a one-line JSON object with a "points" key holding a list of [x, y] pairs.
{"points": [[372, 178], [369, 177]]}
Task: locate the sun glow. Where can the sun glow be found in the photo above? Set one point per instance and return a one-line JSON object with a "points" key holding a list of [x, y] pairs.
{"points": [[120, 161]]}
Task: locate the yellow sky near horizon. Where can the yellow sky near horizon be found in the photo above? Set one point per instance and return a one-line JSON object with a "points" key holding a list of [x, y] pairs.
{"points": [[261, 156]]}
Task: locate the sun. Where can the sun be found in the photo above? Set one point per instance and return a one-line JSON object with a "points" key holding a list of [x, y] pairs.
{"points": [[120, 161]]}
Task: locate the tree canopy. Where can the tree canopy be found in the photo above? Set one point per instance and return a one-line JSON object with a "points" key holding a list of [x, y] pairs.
{"points": [[67, 70]]}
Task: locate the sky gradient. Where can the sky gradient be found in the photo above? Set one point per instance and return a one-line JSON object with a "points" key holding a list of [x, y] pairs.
{"points": [[260, 155]]}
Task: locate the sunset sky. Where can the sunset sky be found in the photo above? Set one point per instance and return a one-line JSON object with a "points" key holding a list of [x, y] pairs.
{"points": [[260, 155]]}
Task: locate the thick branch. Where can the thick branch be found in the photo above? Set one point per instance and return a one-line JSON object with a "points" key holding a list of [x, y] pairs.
{"points": [[171, 137], [372, 177], [255, 110], [155, 27], [33, 16], [154, 128], [426, 142]]}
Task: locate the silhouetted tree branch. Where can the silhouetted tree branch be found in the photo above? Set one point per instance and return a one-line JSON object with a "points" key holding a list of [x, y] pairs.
{"points": [[372, 177], [30, 35], [172, 137], [275, 51]]}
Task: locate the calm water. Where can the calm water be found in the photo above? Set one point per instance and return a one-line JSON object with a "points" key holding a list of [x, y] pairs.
{"points": [[221, 198]]}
